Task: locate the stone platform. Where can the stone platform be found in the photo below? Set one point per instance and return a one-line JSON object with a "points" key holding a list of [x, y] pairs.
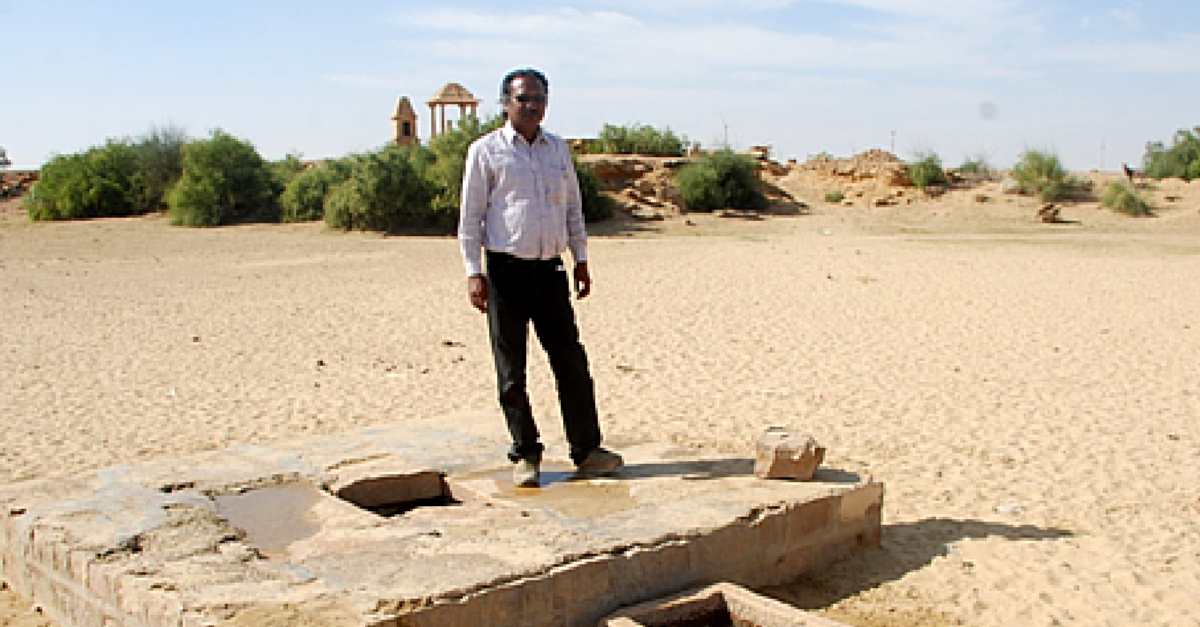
{"points": [[413, 524]]}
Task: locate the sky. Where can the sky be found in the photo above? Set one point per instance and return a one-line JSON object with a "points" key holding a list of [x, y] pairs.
{"points": [[1091, 80]]}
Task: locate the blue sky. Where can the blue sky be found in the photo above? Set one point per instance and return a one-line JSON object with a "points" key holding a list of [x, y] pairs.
{"points": [[1093, 81]]}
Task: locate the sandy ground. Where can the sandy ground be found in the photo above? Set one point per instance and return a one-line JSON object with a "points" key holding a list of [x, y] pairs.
{"points": [[1029, 393]]}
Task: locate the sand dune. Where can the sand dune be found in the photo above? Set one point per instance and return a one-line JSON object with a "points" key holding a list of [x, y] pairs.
{"points": [[1029, 393]]}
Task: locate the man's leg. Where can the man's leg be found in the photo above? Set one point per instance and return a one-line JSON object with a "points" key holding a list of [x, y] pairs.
{"points": [[554, 322], [508, 328]]}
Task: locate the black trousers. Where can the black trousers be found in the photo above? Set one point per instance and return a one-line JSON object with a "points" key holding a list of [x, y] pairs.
{"points": [[519, 292]]}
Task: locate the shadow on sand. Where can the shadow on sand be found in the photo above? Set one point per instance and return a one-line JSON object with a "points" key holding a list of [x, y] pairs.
{"points": [[905, 548]]}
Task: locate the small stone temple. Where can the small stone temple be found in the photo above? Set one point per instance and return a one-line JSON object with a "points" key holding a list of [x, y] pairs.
{"points": [[405, 123], [451, 94]]}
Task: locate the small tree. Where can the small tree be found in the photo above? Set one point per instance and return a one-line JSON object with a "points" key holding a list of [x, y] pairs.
{"points": [[638, 139], [1122, 197], [721, 179], [1181, 160], [305, 195], [4, 162], [444, 164], [159, 156], [93, 184], [596, 206], [926, 170], [976, 166], [285, 169], [385, 192], [1040, 173], [224, 181]]}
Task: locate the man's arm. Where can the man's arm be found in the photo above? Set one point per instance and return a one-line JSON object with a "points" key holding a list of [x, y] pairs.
{"points": [[472, 214], [576, 230]]}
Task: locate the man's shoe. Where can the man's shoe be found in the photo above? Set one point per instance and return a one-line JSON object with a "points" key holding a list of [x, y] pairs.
{"points": [[600, 462], [526, 474]]}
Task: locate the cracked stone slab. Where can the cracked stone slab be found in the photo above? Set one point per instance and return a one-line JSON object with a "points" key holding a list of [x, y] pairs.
{"points": [[415, 523]]}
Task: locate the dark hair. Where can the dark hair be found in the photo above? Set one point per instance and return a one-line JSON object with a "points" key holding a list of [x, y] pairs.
{"points": [[529, 73]]}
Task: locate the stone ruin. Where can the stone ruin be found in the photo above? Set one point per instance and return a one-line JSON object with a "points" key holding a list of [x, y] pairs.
{"points": [[416, 524]]}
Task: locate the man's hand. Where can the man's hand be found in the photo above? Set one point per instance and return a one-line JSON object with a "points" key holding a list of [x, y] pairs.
{"points": [[583, 280], [477, 291]]}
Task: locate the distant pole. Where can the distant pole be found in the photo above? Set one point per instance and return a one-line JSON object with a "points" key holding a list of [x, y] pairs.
{"points": [[1102, 151], [892, 148]]}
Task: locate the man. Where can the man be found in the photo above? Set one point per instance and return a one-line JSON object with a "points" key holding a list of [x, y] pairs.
{"points": [[521, 208]]}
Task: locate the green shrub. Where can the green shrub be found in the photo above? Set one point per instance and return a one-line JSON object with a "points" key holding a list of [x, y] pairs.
{"points": [[721, 179], [1040, 173], [976, 166], [224, 181], [596, 206], [304, 197], [1181, 160], [284, 170], [159, 156], [384, 192], [96, 183], [926, 170], [444, 163], [1122, 197], [638, 139], [834, 197]]}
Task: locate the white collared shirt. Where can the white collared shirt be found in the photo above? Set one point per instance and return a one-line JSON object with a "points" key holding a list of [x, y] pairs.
{"points": [[520, 198]]}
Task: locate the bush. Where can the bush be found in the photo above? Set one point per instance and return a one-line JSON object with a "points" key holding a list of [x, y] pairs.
{"points": [[159, 156], [926, 170], [224, 181], [1122, 197], [976, 166], [596, 206], [305, 195], [720, 180], [834, 197], [638, 139], [122, 177], [444, 163], [285, 170], [1040, 173], [96, 183], [384, 192], [1181, 160]]}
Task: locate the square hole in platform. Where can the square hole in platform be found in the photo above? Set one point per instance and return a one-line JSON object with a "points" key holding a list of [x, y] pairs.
{"points": [[718, 605], [394, 495]]}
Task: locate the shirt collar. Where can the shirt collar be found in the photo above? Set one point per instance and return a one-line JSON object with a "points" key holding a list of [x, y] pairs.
{"points": [[511, 134]]}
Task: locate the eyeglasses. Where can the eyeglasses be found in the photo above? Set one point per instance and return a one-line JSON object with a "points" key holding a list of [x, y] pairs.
{"points": [[530, 98]]}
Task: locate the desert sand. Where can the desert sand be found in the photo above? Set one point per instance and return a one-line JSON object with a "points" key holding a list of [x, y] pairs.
{"points": [[1029, 393]]}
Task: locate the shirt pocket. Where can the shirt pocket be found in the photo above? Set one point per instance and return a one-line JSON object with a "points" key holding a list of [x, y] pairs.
{"points": [[558, 185]]}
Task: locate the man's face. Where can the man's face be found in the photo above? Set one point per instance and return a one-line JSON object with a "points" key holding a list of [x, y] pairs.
{"points": [[526, 103]]}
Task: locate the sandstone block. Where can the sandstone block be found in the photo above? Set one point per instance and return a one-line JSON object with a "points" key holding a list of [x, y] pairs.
{"points": [[785, 454]]}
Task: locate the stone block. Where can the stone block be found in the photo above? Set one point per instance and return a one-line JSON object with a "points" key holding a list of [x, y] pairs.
{"points": [[808, 520], [785, 454], [466, 612], [771, 528], [661, 569], [858, 504], [717, 604], [582, 588], [722, 551], [537, 603], [502, 605]]}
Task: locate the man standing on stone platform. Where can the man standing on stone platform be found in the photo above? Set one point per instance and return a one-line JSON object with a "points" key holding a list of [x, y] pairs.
{"points": [[521, 208]]}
